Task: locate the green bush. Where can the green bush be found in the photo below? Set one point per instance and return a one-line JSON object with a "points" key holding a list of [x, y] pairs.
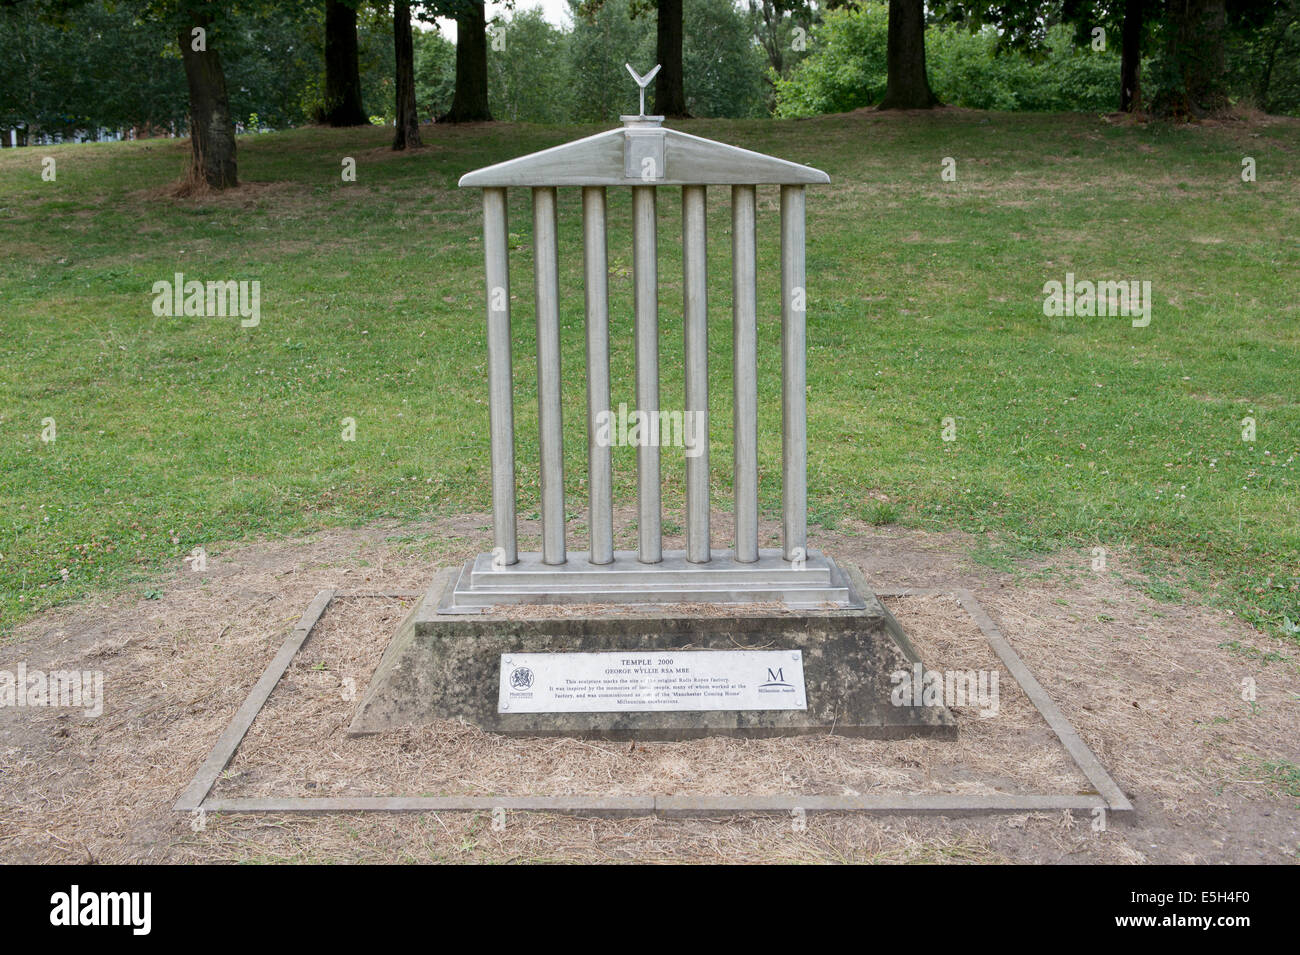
{"points": [[966, 69], [435, 73], [845, 69], [527, 81]]}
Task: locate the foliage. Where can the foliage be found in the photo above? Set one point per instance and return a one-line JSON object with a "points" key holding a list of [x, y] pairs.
{"points": [[527, 78], [722, 66], [1263, 61], [435, 73], [376, 61], [272, 64], [781, 29], [603, 39], [107, 70], [1261, 42], [966, 69], [82, 65], [109, 65], [846, 69]]}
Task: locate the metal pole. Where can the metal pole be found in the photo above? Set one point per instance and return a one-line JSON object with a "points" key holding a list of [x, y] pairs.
{"points": [[501, 411], [744, 291], [599, 467], [645, 271], [695, 322], [794, 399], [550, 430]]}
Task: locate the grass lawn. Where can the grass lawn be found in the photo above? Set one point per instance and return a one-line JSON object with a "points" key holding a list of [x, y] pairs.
{"points": [[925, 303]]}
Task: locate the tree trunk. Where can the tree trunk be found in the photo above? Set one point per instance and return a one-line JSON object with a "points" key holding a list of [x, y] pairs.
{"points": [[670, 93], [212, 134], [343, 105], [1130, 62], [408, 121], [470, 104], [1208, 84], [1194, 54], [908, 86]]}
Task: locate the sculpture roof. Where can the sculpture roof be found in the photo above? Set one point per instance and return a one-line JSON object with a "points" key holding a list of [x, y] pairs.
{"points": [[613, 158]]}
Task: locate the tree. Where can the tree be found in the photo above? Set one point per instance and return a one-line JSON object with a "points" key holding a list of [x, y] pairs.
{"points": [[1020, 24], [343, 105], [1125, 17], [781, 28], [845, 69], [1130, 64], [212, 131], [435, 72], [718, 54], [80, 65], [408, 118], [470, 104], [845, 66], [66, 77], [908, 86], [1188, 74], [532, 82], [774, 23], [1272, 49], [605, 36], [1191, 66], [1028, 27], [726, 67], [670, 90]]}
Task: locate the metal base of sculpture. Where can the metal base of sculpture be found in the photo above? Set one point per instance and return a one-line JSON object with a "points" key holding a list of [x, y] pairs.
{"points": [[814, 583]]}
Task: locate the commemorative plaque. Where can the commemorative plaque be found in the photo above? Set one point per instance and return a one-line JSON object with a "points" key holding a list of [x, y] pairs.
{"points": [[652, 682]]}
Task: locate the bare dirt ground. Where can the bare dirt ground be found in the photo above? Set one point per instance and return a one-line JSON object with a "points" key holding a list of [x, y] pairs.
{"points": [[1153, 686]]}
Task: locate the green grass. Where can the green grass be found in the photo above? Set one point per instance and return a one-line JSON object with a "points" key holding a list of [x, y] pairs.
{"points": [[924, 303], [1254, 653], [1281, 775]]}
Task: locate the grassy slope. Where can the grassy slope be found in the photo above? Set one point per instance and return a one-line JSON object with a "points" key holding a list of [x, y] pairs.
{"points": [[925, 302]]}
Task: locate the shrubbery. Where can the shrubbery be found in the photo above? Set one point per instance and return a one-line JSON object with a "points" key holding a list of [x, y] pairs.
{"points": [[846, 69]]}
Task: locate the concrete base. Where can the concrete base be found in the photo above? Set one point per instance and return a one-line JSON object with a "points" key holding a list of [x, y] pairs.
{"points": [[441, 666]]}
